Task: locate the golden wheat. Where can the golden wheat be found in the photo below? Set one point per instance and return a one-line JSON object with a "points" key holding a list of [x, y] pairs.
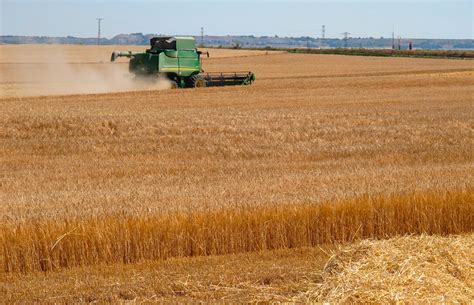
{"points": [[122, 239], [153, 152], [321, 149]]}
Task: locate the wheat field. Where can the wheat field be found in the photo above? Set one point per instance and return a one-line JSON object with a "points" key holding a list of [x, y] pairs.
{"points": [[322, 149]]}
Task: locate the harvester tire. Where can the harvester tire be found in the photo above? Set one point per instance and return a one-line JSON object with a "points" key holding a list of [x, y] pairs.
{"points": [[197, 81], [173, 85]]}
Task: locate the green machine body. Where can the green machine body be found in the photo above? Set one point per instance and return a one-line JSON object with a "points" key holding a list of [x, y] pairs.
{"points": [[178, 59]]}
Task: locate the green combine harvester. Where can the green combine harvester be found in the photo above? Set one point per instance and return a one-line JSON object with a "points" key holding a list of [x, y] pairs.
{"points": [[178, 59]]}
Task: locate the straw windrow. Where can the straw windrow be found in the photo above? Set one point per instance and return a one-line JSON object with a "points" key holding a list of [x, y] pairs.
{"points": [[410, 269]]}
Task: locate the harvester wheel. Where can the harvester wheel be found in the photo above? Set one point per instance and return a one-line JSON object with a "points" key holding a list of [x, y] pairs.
{"points": [[173, 85], [197, 81]]}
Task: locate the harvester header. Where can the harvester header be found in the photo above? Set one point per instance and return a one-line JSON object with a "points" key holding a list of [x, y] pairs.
{"points": [[178, 59]]}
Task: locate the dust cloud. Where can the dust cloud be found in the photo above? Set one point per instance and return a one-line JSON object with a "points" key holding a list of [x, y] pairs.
{"points": [[59, 74]]}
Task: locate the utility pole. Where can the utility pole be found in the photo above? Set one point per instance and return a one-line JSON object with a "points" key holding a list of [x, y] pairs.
{"points": [[98, 25], [346, 38], [202, 36], [393, 39]]}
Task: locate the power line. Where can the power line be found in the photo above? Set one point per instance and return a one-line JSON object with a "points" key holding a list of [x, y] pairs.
{"points": [[98, 31]]}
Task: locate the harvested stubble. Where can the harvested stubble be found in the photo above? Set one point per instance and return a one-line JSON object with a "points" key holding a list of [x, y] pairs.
{"points": [[115, 239], [410, 269], [272, 276]]}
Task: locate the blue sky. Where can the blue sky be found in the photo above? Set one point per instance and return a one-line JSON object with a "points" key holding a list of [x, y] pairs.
{"points": [[410, 19]]}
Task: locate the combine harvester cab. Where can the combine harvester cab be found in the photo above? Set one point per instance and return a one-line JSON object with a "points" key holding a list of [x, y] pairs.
{"points": [[178, 59]]}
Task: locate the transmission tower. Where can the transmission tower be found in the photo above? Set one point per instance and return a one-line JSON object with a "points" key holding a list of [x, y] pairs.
{"points": [[98, 32], [323, 32], [393, 40], [346, 38], [202, 36]]}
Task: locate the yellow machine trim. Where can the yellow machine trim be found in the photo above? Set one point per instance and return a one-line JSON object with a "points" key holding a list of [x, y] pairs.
{"points": [[177, 68]]}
